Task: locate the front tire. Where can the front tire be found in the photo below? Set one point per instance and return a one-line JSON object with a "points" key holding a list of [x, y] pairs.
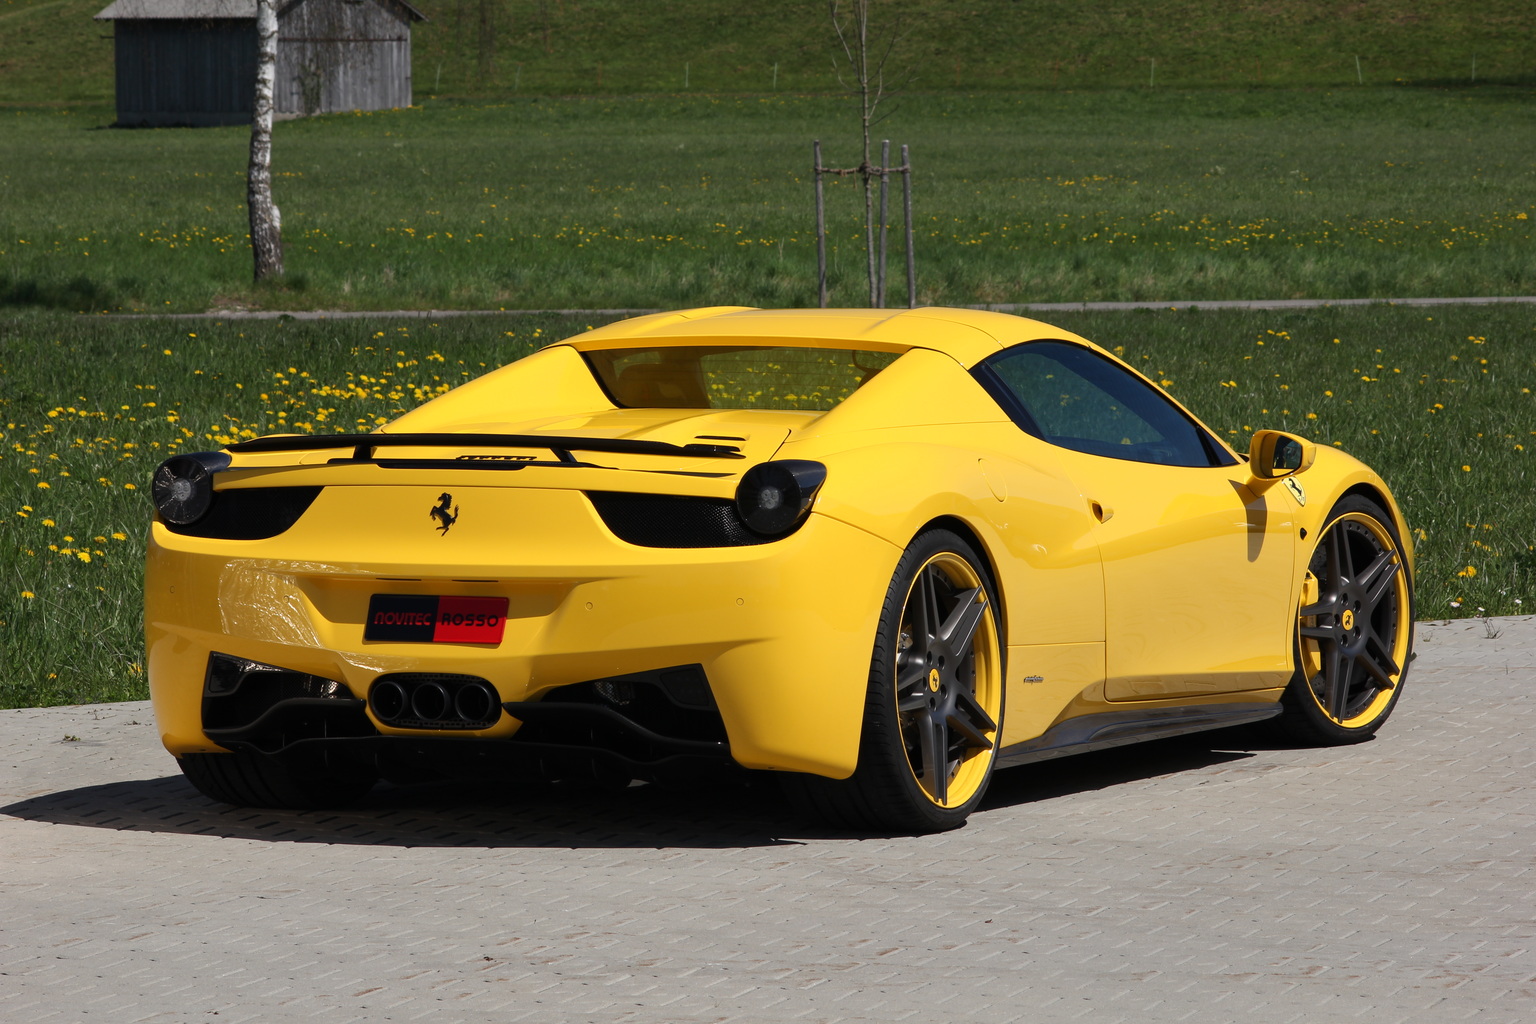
{"points": [[934, 700], [1354, 631]]}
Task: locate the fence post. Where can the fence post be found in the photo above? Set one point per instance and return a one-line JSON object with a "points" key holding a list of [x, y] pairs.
{"points": [[906, 187], [885, 178], [821, 230]]}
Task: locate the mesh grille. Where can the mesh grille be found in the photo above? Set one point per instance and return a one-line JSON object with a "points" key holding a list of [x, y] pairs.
{"points": [[252, 513], [667, 521]]}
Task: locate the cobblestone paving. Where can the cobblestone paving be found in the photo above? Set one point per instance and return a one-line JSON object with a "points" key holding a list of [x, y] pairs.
{"points": [[1206, 879]]}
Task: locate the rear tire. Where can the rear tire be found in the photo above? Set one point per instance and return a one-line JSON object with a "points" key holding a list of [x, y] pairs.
{"points": [[251, 780], [933, 705]]}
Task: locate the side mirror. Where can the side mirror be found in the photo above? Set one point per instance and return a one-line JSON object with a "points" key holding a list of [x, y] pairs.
{"points": [[1274, 454]]}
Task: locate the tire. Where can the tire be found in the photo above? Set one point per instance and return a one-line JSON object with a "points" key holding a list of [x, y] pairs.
{"points": [[933, 707], [1354, 630], [251, 780]]}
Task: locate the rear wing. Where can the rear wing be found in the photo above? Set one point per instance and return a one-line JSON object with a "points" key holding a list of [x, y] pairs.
{"points": [[364, 448]]}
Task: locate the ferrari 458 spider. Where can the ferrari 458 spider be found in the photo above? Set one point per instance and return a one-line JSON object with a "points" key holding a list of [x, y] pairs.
{"points": [[879, 554]]}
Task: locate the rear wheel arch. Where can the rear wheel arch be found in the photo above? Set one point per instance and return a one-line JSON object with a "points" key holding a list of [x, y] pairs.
{"points": [[960, 528], [934, 699]]}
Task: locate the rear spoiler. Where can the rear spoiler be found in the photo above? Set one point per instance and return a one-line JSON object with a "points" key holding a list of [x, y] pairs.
{"points": [[364, 446]]}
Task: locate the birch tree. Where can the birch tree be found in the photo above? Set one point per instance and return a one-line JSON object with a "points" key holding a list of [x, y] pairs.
{"points": [[266, 221], [868, 72]]}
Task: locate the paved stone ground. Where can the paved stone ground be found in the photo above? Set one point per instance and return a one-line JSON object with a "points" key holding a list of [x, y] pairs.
{"points": [[1205, 879]]}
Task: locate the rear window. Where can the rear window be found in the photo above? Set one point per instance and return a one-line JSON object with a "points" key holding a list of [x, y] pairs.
{"points": [[734, 377]]}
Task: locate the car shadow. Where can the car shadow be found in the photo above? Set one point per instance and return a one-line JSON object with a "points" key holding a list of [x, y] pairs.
{"points": [[441, 815], [1082, 773], [753, 814]]}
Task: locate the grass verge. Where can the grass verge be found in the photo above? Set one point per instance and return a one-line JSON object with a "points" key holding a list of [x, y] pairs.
{"points": [[668, 201]]}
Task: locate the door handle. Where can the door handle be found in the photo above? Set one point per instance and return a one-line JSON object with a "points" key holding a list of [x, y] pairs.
{"points": [[1103, 513]]}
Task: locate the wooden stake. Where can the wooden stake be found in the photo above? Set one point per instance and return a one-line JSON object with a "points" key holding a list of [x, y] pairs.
{"points": [[906, 188], [885, 180], [821, 230]]}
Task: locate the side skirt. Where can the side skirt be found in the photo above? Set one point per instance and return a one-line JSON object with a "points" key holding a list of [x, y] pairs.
{"points": [[1117, 728]]}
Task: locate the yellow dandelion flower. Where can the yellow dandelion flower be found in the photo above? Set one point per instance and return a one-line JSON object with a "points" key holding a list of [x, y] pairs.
{"points": [[28, 594]]}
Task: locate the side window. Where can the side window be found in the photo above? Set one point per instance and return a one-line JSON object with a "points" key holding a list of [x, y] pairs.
{"points": [[1075, 398]]}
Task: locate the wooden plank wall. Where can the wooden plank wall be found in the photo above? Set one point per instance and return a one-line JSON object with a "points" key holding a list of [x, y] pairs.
{"points": [[332, 55], [337, 55], [185, 72]]}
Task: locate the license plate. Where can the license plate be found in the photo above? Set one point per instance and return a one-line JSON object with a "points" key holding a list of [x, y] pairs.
{"points": [[425, 619]]}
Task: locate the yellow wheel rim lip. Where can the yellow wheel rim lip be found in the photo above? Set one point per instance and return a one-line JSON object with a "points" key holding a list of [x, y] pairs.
{"points": [[1311, 654], [977, 763]]}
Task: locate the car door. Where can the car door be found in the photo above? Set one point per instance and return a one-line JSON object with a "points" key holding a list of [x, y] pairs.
{"points": [[1198, 566]]}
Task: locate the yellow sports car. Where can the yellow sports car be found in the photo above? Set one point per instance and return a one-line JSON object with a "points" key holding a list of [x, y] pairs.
{"points": [[880, 554]]}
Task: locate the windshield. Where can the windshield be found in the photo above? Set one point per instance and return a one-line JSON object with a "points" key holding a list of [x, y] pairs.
{"points": [[734, 377]]}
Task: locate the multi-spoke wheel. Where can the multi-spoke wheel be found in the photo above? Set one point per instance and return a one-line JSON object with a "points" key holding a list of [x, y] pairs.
{"points": [[933, 711], [1354, 634]]}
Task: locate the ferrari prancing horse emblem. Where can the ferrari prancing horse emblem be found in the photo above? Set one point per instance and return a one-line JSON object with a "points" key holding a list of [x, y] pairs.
{"points": [[441, 513], [1294, 486]]}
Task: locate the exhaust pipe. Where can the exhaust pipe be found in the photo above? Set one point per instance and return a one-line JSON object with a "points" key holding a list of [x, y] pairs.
{"points": [[430, 700], [476, 703], [389, 700]]}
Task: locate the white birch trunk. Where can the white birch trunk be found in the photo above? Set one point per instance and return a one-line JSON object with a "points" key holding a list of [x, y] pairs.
{"points": [[871, 84], [266, 224]]}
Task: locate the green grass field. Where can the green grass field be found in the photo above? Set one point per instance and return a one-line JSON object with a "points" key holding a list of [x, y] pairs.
{"points": [[609, 154], [1440, 401], [666, 201], [52, 52]]}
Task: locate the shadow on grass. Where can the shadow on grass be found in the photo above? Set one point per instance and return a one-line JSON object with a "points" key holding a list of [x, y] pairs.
{"points": [[77, 293], [752, 814]]}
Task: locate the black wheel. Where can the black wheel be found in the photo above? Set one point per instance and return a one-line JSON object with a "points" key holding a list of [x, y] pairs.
{"points": [[250, 780], [1354, 630], [934, 705]]}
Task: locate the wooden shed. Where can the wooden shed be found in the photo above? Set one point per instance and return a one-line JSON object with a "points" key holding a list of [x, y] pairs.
{"points": [[193, 62]]}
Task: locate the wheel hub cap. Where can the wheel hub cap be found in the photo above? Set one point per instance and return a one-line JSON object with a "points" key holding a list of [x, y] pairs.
{"points": [[1349, 618], [933, 680]]}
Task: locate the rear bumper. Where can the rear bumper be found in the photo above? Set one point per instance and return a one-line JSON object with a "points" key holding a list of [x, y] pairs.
{"points": [[782, 631]]}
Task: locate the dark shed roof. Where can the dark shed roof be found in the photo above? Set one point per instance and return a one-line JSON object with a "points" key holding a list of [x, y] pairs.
{"points": [[175, 10]]}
